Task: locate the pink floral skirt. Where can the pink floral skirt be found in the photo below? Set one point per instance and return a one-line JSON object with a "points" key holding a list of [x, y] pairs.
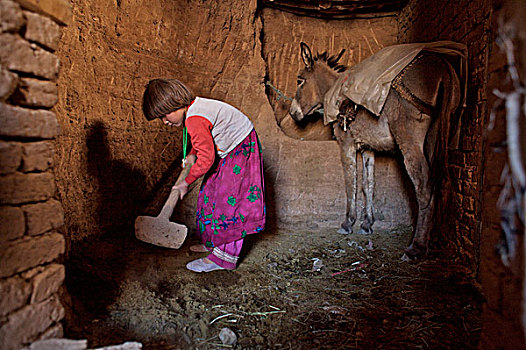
{"points": [[231, 203]]}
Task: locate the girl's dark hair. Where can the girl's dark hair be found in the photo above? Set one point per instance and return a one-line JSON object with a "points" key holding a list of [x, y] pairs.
{"points": [[163, 96]]}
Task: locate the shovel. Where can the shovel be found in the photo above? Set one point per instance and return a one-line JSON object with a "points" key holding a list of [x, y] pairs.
{"points": [[159, 230]]}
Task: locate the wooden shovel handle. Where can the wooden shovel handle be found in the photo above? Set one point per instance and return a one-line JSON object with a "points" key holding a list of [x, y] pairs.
{"points": [[169, 206]]}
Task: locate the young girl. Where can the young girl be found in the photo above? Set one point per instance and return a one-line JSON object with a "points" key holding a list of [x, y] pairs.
{"points": [[226, 151]]}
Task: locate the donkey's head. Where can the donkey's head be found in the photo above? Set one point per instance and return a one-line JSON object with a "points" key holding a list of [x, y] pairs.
{"points": [[314, 80]]}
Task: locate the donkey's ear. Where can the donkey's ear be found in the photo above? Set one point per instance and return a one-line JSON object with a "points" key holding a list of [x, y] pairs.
{"points": [[306, 55], [340, 55]]}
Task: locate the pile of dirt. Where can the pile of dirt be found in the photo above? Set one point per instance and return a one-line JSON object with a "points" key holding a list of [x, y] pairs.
{"points": [[317, 290]]}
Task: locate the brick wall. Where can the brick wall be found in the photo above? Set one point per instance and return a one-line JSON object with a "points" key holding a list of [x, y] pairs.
{"points": [[466, 22], [472, 220], [30, 217]]}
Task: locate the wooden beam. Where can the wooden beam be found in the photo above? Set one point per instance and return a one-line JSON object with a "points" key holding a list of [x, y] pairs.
{"points": [[337, 9]]}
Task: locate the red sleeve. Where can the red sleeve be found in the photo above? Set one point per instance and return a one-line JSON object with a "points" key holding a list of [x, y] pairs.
{"points": [[199, 129]]}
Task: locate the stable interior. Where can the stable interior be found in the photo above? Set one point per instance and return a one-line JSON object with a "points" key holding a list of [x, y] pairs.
{"points": [[111, 165]]}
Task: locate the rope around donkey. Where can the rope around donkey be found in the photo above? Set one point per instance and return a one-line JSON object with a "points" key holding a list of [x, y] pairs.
{"points": [[280, 94]]}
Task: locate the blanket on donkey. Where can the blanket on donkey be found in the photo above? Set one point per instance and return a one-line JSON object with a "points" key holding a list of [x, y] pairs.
{"points": [[368, 82]]}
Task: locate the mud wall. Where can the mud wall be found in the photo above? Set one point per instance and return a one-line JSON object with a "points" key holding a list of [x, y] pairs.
{"points": [[113, 163], [31, 272], [109, 159]]}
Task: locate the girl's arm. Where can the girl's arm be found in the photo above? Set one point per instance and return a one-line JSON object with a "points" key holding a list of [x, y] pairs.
{"points": [[203, 147]]}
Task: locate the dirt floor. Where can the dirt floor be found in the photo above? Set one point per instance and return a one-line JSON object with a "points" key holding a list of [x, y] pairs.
{"points": [[293, 290]]}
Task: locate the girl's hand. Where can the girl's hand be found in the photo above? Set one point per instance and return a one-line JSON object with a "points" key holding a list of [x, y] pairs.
{"points": [[182, 187]]}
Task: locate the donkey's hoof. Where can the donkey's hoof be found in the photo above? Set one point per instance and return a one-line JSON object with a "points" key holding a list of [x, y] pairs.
{"points": [[405, 258], [412, 254], [346, 227], [343, 231], [365, 231]]}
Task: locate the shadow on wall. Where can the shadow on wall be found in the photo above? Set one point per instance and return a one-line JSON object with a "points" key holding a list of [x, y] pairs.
{"points": [[119, 185], [96, 265]]}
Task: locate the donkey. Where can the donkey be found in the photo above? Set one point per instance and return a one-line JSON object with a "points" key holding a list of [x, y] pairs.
{"points": [[414, 121]]}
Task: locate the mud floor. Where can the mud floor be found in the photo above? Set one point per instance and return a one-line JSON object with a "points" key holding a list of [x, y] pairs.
{"points": [[293, 290]]}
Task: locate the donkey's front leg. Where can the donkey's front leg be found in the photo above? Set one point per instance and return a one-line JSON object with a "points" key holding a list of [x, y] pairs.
{"points": [[348, 158], [368, 191]]}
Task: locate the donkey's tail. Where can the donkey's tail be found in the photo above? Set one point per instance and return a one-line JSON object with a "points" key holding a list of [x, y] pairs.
{"points": [[449, 122]]}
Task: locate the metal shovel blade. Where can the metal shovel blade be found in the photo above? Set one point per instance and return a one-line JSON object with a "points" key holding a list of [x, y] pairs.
{"points": [[160, 231]]}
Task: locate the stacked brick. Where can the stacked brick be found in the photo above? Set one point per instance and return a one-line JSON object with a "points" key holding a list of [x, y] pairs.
{"points": [[30, 244]]}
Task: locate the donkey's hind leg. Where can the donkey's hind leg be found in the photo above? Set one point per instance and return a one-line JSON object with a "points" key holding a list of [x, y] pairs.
{"points": [[368, 190], [409, 128], [418, 170]]}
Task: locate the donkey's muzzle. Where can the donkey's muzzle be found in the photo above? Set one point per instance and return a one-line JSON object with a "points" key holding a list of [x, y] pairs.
{"points": [[295, 111]]}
